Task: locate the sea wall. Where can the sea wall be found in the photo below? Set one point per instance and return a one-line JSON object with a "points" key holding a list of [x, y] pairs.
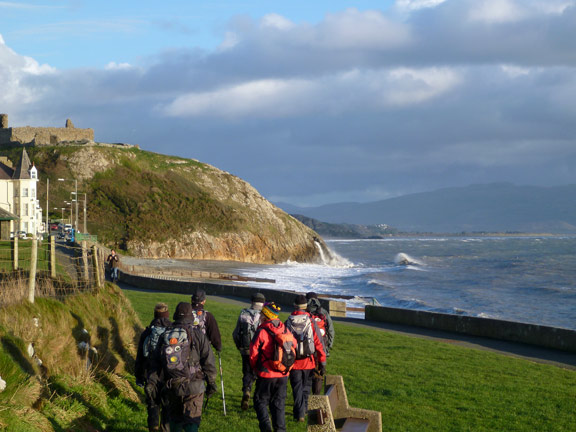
{"points": [[281, 297], [533, 334]]}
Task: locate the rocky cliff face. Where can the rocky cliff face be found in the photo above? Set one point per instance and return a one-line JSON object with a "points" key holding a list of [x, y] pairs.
{"points": [[205, 213]]}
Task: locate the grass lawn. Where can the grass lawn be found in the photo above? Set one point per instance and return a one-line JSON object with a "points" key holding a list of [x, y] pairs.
{"points": [[417, 384]]}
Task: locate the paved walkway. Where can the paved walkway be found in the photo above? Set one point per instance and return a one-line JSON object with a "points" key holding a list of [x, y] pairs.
{"points": [[558, 358]]}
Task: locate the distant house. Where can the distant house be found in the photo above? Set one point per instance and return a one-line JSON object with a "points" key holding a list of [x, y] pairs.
{"points": [[18, 196]]}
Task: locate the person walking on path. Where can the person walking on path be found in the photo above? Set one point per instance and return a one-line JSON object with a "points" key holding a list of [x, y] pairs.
{"points": [[205, 320], [147, 366], [326, 327], [246, 326], [187, 361], [113, 262], [271, 384], [309, 354]]}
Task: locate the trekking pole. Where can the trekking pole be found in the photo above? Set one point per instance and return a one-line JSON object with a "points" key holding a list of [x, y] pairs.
{"points": [[222, 383]]}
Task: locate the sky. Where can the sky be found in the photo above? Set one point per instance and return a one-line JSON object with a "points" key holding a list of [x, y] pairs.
{"points": [[310, 102]]}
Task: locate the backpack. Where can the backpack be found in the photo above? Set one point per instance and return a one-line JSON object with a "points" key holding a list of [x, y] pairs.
{"points": [[301, 327], [152, 340], [320, 322], [284, 351], [200, 320], [249, 322], [176, 353]]}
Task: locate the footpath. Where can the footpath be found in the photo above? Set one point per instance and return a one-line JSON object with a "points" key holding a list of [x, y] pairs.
{"points": [[536, 354]]}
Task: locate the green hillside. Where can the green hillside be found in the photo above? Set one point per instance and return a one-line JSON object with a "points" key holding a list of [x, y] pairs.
{"points": [[138, 200]]}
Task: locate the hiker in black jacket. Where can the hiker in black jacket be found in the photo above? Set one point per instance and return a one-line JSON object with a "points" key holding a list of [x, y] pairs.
{"points": [[204, 320], [146, 367], [184, 388]]}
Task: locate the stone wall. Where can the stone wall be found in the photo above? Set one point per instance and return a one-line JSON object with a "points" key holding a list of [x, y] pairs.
{"points": [[44, 135], [532, 334]]}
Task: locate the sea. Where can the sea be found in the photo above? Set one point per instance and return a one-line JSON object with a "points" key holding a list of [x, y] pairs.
{"points": [[530, 279]]}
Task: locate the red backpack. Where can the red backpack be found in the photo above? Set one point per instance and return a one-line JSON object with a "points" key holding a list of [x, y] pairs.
{"points": [[284, 351], [320, 322]]}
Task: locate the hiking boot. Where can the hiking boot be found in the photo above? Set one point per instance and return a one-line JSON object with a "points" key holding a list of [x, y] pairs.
{"points": [[245, 402]]}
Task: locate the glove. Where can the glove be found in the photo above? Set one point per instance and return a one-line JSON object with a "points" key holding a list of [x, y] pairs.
{"points": [[210, 389], [322, 369]]}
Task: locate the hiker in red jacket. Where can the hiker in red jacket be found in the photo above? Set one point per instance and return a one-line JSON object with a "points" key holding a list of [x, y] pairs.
{"points": [[271, 383], [309, 353]]}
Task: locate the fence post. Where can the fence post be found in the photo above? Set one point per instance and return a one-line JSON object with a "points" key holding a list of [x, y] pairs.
{"points": [[53, 256], [32, 276], [15, 253], [96, 266], [85, 272]]}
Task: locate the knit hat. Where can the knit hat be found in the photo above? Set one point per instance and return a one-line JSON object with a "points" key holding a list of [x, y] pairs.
{"points": [[199, 296], [271, 311], [258, 298], [161, 310], [311, 294], [300, 302], [183, 310]]}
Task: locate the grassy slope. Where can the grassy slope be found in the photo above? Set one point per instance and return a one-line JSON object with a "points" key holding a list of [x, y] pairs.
{"points": [[143, 195], [418, 385], [61, 394]]}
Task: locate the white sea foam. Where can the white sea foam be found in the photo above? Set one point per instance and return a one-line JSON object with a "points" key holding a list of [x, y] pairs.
{"points": [[405, 259]]}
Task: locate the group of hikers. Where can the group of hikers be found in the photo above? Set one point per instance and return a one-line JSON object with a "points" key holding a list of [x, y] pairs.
{"points": [[176, 366]]}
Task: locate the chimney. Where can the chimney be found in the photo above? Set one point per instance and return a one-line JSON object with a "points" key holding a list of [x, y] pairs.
{"points": [[3, 121]]}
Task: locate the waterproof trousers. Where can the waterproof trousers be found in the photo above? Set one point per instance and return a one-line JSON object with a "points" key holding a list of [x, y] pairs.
{"points": [[301, 382], [271, 393]]}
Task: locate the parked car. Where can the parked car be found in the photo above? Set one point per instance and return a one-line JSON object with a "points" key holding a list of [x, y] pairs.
{"points": [[54, 226], [67, 228], [21, 234]]}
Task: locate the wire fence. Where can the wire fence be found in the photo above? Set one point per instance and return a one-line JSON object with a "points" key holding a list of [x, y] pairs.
{"points": [[46, 268]]}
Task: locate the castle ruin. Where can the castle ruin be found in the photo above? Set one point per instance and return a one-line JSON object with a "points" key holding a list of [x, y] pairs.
{"points": [[38, 136]]}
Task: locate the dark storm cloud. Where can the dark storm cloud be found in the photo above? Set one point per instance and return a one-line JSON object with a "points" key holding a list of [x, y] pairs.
{"points": [[360, 106]]}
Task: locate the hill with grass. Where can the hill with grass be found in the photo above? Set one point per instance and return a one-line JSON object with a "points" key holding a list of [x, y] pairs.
{"points": [[159, 206]]}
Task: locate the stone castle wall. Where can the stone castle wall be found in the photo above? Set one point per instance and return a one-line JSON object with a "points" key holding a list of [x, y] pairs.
{"points": [[46, 135], [42, 135]]}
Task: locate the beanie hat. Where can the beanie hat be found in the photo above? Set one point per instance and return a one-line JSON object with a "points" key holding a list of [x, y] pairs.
{"points": [[300, 302], [271, 310], [199, 296], [311, 294], [258, 298], [161, 310], [183, 310]]}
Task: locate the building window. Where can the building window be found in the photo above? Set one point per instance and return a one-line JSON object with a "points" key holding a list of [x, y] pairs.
{"points": [[25, 192], [33, 192], [25, 209]]}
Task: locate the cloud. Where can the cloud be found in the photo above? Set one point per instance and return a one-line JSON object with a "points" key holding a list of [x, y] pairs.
{"points": [[362, 104]]}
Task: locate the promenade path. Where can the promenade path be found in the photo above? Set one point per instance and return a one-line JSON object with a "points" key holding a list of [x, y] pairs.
{"points": [[557, 358]]}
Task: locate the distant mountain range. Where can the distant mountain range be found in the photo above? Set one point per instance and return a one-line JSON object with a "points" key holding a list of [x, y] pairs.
{"points": [[496, 207]]}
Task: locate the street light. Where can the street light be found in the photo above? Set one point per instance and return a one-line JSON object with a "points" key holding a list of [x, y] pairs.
{"points": [[75, 193]]}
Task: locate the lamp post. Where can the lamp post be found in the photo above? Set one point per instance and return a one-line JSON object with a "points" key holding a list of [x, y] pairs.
{"points": [[76, 195], [47, 229]]}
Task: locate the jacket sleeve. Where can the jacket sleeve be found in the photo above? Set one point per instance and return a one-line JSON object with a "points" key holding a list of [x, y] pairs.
{"points": [[139, 367], [207, 360], [329, 331], [320, 356], [255, 348], [236, 334], [213, 332]]}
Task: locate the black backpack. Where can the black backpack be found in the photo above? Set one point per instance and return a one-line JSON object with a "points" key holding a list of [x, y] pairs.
{"points": [[177, 352], [249, 321]]}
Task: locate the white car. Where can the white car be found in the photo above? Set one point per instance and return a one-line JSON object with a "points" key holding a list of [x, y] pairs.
{"points": [[67, 228]]}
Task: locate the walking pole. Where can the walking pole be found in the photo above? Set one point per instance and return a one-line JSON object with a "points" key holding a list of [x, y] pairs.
{"points": [[222, 383]]}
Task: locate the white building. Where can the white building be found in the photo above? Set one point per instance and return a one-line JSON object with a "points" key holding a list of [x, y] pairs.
{"points": [[19, 194]]}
